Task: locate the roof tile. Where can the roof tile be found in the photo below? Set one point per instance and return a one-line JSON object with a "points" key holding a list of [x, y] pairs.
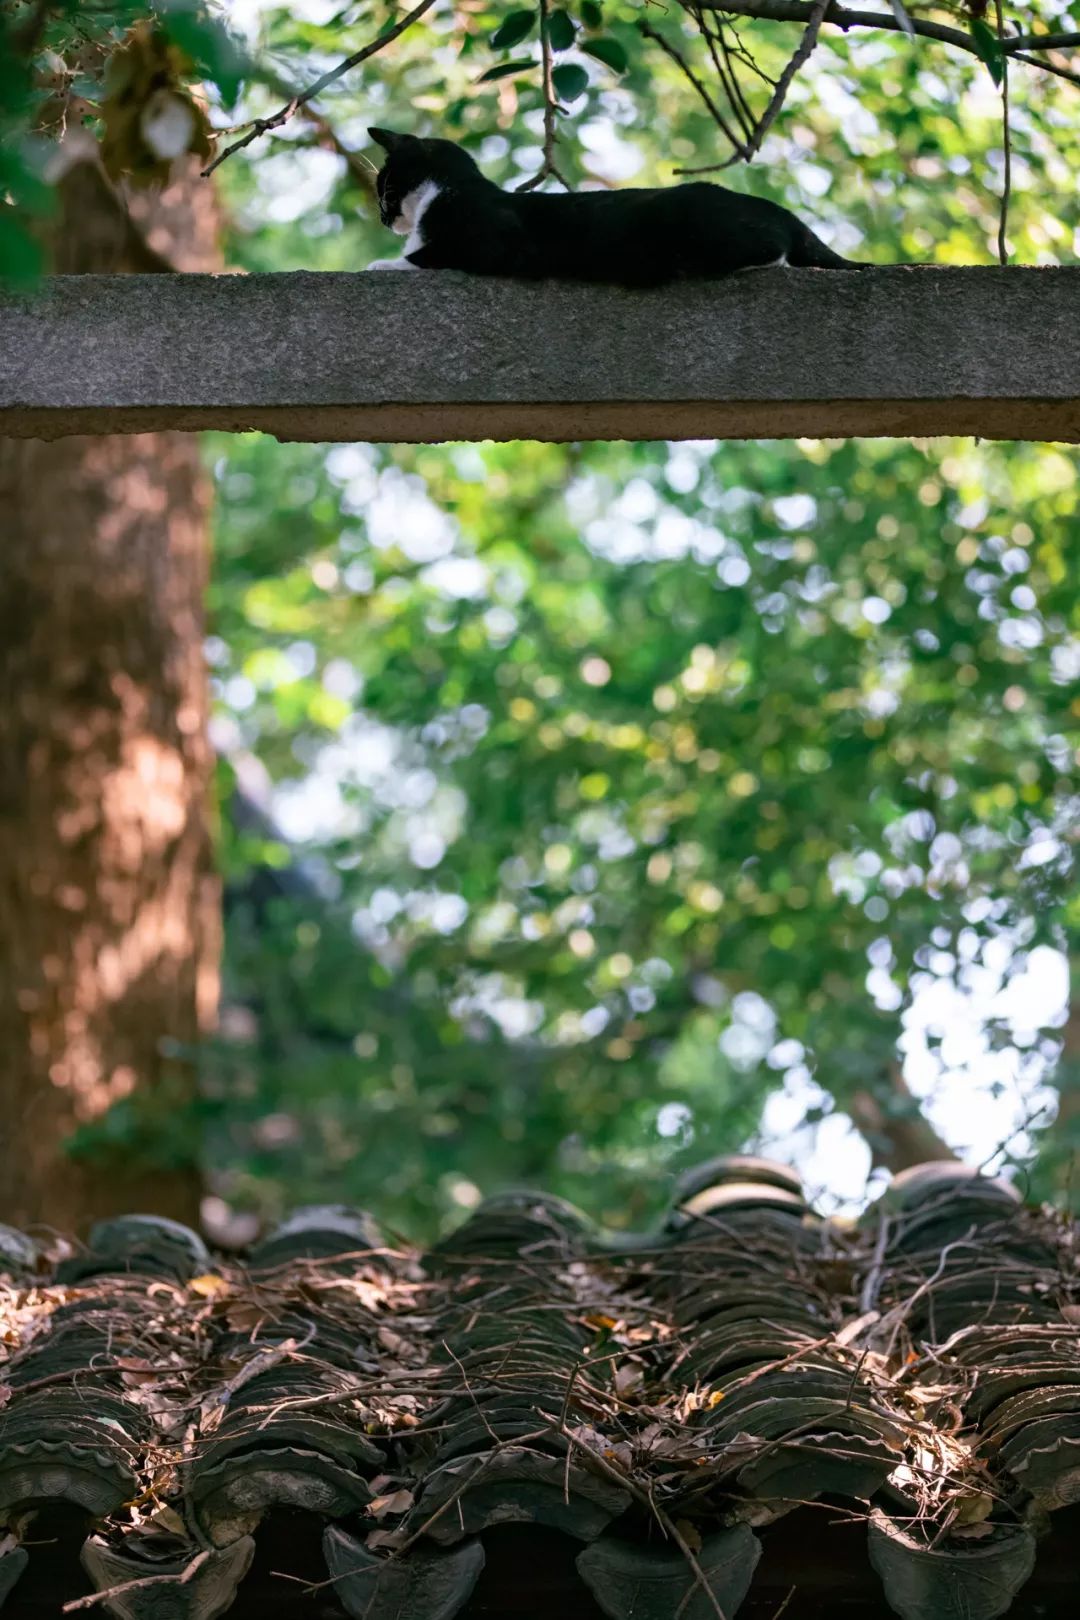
{"points": [[666, 1407]]}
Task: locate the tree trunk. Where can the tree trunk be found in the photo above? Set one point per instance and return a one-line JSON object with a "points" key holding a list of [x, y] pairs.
{"points": [[1060, 1146], [108, 905], [897, 1140]]}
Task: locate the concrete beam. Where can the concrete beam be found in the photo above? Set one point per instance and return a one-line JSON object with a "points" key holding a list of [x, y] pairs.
{"points": [[772, 354]]}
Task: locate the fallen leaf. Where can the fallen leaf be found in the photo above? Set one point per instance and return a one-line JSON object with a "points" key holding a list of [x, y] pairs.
{"points": [[393, 1342], [386, 1538], [628, 1379], [244, 1317], [975, 1508], [393, 1502], [208, 1285], [167, 1518], [690, 1534]]}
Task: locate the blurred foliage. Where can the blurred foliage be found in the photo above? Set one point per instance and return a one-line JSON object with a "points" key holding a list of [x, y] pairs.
{"points": [[630, 799], [122, 69], [639, 779], [906, 112]]}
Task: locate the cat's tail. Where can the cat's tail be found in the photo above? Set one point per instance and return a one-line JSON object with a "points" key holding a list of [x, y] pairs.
{"points": [[810, 253]]}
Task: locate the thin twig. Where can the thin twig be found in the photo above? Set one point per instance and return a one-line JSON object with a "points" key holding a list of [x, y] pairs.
{"points": [[1006, 136], [779, 95], [111, 1592], [720, 51], [838, 16], [649, 32], [872, 1286], [666, 1523], [260, 126], [551, 107]]}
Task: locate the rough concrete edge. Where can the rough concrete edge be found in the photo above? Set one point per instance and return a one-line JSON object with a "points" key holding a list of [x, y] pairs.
{"points": [[1041, 421]]}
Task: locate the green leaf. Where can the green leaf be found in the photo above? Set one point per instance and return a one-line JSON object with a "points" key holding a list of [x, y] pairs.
{"points": [[591, 15], [560, 31], [570, 81], [504, 70], [512, 30], [608, 51], [989, 48], [21, 260]]}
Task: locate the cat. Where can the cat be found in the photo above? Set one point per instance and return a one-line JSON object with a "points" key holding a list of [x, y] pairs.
{"points": [[432, 193]]}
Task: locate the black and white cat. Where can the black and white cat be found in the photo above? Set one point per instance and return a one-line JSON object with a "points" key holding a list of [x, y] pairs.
{"points": [[432, 193]]}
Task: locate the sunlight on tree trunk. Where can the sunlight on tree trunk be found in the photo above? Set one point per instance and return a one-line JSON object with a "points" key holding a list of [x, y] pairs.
{"points": [[108, 905]]}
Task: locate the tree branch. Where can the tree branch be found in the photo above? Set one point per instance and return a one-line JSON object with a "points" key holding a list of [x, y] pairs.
{"points": [[1006, 136], [846, 17], [550, 108], [805, 47], [649, 32], [260, 126]]}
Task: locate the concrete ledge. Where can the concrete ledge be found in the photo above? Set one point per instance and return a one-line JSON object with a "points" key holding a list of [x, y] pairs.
{"points": [[772, 354]]}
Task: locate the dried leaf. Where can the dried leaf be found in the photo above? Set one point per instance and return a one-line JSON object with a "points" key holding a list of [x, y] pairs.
{"points": [[628, 1379], [393, 1342], [6, 1392], [210, 1418], [245, 1317], [386, 1538], [974, 1509], [137, 1371], [394, 1502], [208, 1285], [167, 1518], [690, 1534], [370, 1295]]}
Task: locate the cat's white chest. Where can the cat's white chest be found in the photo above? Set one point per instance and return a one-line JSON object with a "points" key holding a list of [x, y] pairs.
{"points": [[414, 205]]}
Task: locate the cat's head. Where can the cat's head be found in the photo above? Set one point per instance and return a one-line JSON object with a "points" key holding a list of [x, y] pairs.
{"points": [[410, 161]]}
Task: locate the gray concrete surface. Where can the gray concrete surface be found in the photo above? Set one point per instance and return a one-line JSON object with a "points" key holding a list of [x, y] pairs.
{"points": [[430, 356]]}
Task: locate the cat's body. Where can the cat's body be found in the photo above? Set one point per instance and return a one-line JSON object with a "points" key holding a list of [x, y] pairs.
{"points": [[433, 193]]}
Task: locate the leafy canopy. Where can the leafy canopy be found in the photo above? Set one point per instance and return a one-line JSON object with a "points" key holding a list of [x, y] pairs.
{"points": [[632, 800]]}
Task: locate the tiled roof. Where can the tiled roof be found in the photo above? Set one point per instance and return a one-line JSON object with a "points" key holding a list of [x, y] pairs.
{"points": [[751, 1411]]}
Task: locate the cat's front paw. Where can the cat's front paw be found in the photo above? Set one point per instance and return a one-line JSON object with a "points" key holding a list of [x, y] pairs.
{"points": [[391, 264]]}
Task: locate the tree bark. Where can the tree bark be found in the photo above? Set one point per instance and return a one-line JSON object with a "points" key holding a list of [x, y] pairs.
{"points": [[1059, 1147], [108, 905], [897, 1140]]}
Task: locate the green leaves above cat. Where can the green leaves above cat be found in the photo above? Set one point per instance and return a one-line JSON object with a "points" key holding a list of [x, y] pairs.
{"points": [[989, 48], [561, 31], [564, 32], [517, 26], [570, 81]]}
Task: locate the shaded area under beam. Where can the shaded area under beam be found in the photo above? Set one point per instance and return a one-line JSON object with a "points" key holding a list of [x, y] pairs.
{"points": [[431, 356]]}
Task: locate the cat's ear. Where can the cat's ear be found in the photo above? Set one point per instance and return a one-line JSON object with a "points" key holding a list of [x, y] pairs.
{"points": [[388, 139]]}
